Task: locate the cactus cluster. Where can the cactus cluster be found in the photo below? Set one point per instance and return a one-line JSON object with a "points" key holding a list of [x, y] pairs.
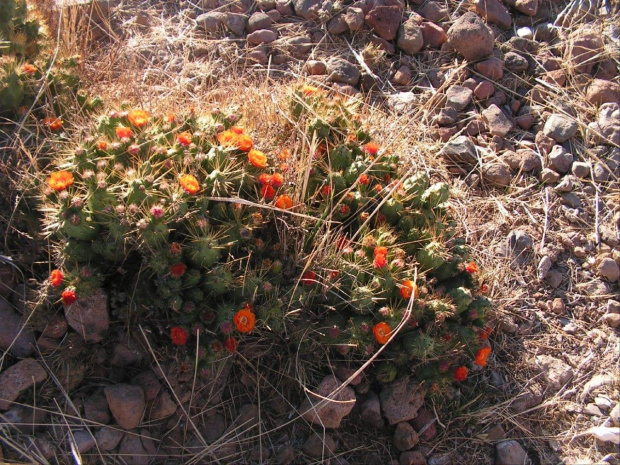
{"points": [[226, 238]]}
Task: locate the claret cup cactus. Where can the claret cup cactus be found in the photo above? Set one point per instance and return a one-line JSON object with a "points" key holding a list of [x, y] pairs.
{"points": [[229, 240]]}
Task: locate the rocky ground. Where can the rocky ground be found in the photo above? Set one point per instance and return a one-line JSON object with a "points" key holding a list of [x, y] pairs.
{"points": [[518, 108]]}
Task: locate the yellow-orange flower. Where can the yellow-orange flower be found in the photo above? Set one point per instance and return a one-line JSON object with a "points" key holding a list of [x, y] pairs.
{"points": [[189, 183], [29, 69], [482, 355], [284, 202], [257, 158], [244, 320], [408, 289], [60, 180], [382, 332], [308, 90], [138, 118], [123, 132], [184, 139], [244, 142], [471, 267], [371, 148]]}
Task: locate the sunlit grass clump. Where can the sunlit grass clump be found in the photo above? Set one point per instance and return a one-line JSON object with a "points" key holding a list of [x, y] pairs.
{"points": [[230, 240]]}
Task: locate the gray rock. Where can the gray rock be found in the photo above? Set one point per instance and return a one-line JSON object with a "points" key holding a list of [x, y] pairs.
{"points": [[19, 377], [544, 266], [510, 453], [554, 371], [560, 160], [447, 116], [210, 22], [285, 455], [319, 445], [600, 172], [315, 68], [554, 278], [470, 37], [414, 457], [259, 20], [354, 17], [519, 241], [606, 129], [84, 441], [163, 406], [515, 63], [328, 407], [608, 269], [24, 418], [307, 9], [235, 22], [497, 174], [337, 25], [614, 415], [611, 319], [566, 185], [548, 176], [96, 408], [460, 150], [13, 333], [405, 436], [132, 450], [262, 36], [497, 122], [458, 97], [370, 412], [401, 400], [384, 20], [108, 438], [214, 428], [494, 12], [127, 404], [440, 459], [340, 70], [571, 200], [581, 169], [88, 316], [527, 7], [410, 39], [560, 127], [285, 7]]}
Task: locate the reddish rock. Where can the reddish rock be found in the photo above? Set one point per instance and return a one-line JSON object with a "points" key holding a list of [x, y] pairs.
{"points": [[370, 412], [497, 122], [475, 126], [445, 134], [382, 44], [384, 20], [402, 77], [526, 121], [127, 404], [527, 7], [484, 90], [424, 424], [601, 91], [494, 12], [583, 47], [433, 34], [433, 11], [491, 68], [405, 436], [315, 67], [163, 406], [470, 37], [88, 315], [458, 97], [328, 407], [401, 400], [319, 445], [413, 457], [262, 36], [607, 70], [17, 378], [556, 77], [410, 37], [337, 25], [96, 408], [354, 17]]}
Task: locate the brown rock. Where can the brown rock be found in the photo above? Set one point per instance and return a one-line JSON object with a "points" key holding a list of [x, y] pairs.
{"points": [[458, 97], [8, 280], [475, 126], [354, 17], [149, 384], [262, 36], [401, 400], [402, 77], [413, 457], [384, 20], [410, 37], [108, 438], [88, 316], [163, 406], [601, 91], [525, 121], [328, 407], [491, 68], [470, 37], [527, 7], [497, 174], [315, 67], [96, 408], [405, 436], [510, 453], [583, 48], [127, 404], [494, 12], [319, 445], [433, 11], [370, 412], [17, 378], [433, 35], [497, 122], [132, 450], [259, 20], [556, 77], [337, 25], [484, 90]]}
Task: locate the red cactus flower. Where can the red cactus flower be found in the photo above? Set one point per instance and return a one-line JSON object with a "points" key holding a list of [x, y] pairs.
{"points": [[380, 261], [364, 180], [244, 320], [231, 344], [178, 269], [68, 296], [184, 139], [178, 336], [382, 332], [277, 180], [471, 267], [408, 289], [460, 373], [123, 132], [189, 183], [56, 278], [284, 202], [308, 278], [482, 355], [371, 148], [267, 192]]}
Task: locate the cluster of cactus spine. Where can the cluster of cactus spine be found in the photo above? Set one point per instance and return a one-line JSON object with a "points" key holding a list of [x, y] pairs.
{"points": [[192, 211]]}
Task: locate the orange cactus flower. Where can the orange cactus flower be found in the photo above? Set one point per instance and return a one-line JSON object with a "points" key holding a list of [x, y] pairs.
{"points": [[244, 320], [60, 180], [285, 154], [184, 139], [68, 296], [380, 251], [460, 373], [408, 289], [380, 261], [371, 148], [189, 184], [308, 90], [267, 192], [364, 180], [53, 123], [284, 202], [257, 158], [123, 132], [139, 118], [264, 178], [102, 145], [308, 278], [236, 130], [231, 344], [178, 269], [471, 267], [56, 278], [277, 180], [482, 355], [169, 118], [178, 336], [29, 69], [382, 332], [226, 138], [244, 143]]}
